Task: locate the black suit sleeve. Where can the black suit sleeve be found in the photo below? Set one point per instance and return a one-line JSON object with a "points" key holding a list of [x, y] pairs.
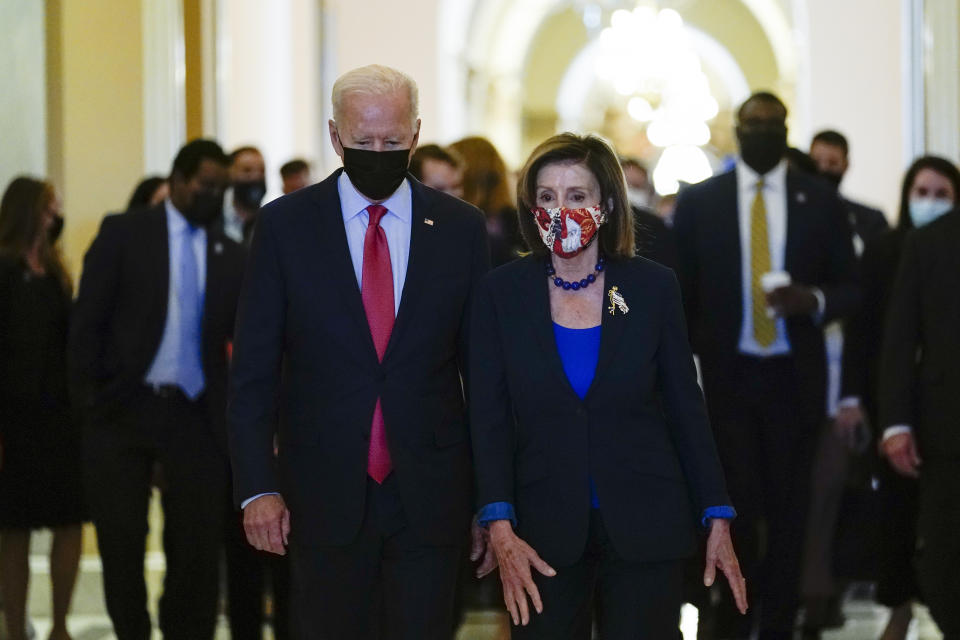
{"points": [[684, 406], [480, 265], [491, 420], [898, 370], [840, 289], [255, 369], [862, 330], [92, 313], [684, 239]]}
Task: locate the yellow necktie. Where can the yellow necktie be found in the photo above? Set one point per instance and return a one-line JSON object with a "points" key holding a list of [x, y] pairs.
{"points": [[764, 328]]}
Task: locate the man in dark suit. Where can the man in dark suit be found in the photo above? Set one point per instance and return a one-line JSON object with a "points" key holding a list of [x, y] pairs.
{"points": [[765, 259], [920, 406], [350, 344], [831, 153], [149, 346]]}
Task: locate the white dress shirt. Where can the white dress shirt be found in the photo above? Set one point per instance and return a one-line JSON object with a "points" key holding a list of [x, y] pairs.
{"points": [[396, 223], [232, 222], [165, 364], [775, 200]]}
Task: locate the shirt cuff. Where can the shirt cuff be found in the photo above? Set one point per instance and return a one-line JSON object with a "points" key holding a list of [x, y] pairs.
{"points": [[243, 505], [496, 511], [850, 402], [895, 430], [725, 512], [821, 304]]}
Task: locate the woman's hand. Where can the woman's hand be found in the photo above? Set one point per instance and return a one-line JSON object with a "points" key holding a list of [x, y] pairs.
{"points": [[515, 558], [720, 555]]}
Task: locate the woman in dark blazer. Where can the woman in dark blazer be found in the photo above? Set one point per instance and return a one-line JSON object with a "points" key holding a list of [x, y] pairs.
{"points": [[594, 458], [931, 186]]}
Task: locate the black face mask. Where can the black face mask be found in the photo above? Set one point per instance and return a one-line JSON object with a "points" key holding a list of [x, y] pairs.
{"points": [[762, 148], [206, 207], [833, 178], [249, 194], [56, 228], [376, 174]]}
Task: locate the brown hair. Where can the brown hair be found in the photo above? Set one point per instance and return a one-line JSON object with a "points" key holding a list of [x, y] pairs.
{"points": [[21, 222], [485, 183], [434, 152], [616, 236]]}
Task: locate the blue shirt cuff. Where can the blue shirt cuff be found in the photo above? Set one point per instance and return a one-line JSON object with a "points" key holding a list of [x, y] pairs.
{"points": [[496, 511], [724, 513]]}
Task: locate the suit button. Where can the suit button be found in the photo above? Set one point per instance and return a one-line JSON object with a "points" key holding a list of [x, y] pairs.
{"points": [[581, 412], [381, 377]]}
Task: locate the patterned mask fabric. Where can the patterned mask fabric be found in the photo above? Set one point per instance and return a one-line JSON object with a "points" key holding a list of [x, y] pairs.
{"points": [[567, 232]]}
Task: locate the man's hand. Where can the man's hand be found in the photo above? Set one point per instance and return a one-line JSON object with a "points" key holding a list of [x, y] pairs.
{"points": [[848, 418], [480, 547], [720, 555], [792, 300], [901, 451], [515, 558], [266, 522]]}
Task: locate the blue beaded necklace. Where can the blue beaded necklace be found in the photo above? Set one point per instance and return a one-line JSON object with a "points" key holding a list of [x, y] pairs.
{"points": [[575, 285]]}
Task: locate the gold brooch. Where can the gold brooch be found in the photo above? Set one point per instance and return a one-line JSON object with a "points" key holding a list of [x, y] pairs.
{"points": [[617, 301]]}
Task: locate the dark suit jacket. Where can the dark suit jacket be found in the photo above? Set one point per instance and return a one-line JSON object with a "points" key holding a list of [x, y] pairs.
{"points": [[863, 330], [819, 253], [654, 238], [641, 432], [304, 363], [920, 377], [121, 312], [868, 223]]}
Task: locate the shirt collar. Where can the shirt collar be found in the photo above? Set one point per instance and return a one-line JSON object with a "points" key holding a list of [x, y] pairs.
{"points": [[774, 179], [176, 223], [353, 203]]}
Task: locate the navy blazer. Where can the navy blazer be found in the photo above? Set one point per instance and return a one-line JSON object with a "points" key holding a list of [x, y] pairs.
{"points": [[305, 368], [819, 253], [641, 432]]}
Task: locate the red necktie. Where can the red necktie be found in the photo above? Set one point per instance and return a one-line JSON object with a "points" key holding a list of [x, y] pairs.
{"points": [[376, 289]]}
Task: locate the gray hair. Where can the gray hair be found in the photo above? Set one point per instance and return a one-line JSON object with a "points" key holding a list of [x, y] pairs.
{"points": [[375, 80]]}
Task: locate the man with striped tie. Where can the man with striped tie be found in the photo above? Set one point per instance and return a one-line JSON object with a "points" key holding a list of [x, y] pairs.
{"points": [[350, 346], [766, 258]]}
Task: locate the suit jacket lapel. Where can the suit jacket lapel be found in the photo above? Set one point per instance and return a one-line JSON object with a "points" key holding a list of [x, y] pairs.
{"points": [[613, 324], [534, 295], [796, 200], [156, 262], [333, 261], [423, 249]]}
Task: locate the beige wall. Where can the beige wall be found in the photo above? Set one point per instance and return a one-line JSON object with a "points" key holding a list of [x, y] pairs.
{"points": [[855, 82], [94, 74], [23, 97]]}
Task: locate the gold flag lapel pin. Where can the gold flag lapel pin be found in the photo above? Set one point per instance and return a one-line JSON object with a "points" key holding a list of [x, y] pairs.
{"points": [[428, 221]]}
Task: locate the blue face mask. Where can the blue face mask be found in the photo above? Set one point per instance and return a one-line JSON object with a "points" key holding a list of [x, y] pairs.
{"points": [[923, 211]]}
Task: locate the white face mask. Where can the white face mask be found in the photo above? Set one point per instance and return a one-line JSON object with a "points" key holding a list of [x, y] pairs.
{"points": [[923, 211]]}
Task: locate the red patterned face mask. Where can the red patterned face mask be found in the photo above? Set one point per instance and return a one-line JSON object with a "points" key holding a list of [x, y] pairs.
{"points": [[567, 232]]}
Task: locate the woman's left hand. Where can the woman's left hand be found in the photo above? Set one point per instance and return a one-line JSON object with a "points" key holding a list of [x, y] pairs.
{"points": [[720, 555]]}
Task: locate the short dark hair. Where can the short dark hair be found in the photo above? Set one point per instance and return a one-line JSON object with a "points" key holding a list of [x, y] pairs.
{"points": [[935, 163], [239, 151], [293, 167], [616, 236], [832, 138], [763, 97], [143, 193], [193, 153], [434, 152]]}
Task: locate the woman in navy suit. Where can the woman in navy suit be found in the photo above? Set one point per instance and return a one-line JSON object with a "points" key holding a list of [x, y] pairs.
{"points": [[594, 458]]}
